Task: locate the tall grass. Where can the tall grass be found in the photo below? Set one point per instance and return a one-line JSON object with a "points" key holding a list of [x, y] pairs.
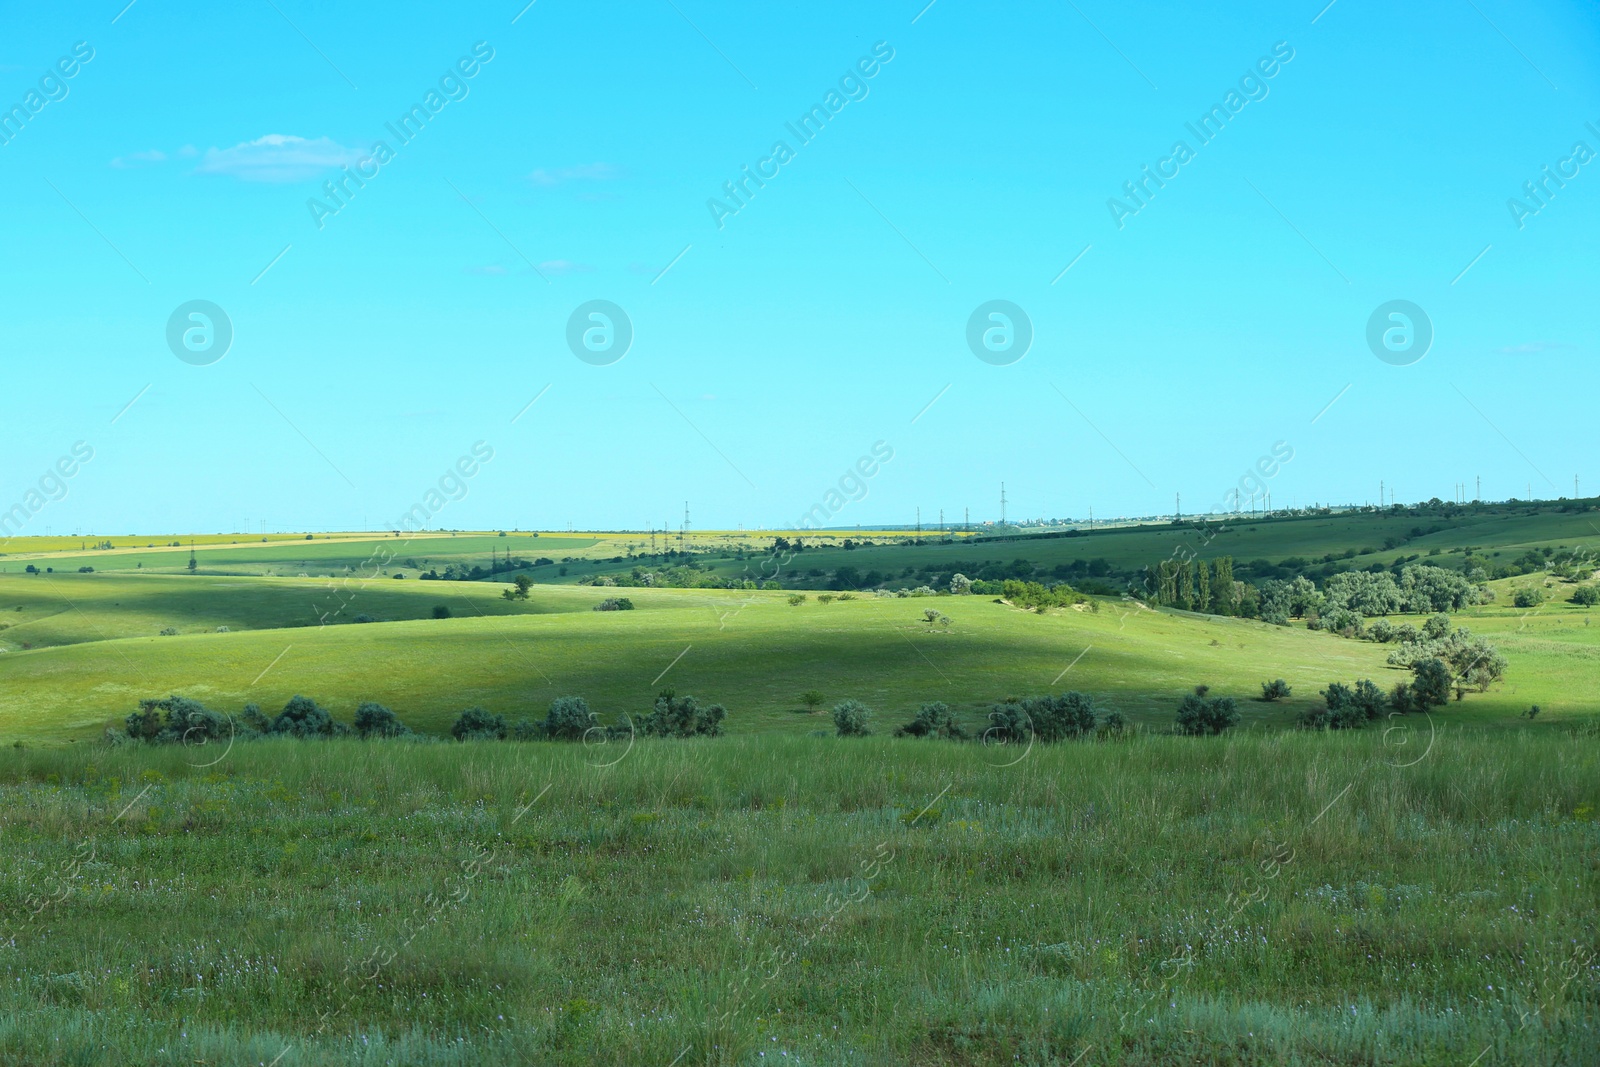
{"points": [[1285, 899]]}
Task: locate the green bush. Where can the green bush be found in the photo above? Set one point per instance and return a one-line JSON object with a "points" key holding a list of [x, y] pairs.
{"points": [[304, 717], [375, 720], [527, 730], [1586, 596], [1278, 689], [569, 719], [478, 724], [851, 718], [675, 716], [614, 603], [1199, 715], [441, 611], [1528, 596], [186, 722], [1046, 718], [1344, 708], [934, 720]]}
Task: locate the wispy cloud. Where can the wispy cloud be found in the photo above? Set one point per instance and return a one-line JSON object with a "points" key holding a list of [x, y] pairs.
{"points": [[138, 160], [592, 172], [278, 158], [548, 267], [1530, 347]]}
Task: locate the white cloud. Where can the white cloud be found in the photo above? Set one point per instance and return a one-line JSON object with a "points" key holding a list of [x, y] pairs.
{"points": [[278, 158], [563, 266], [595, 172], [136, 160], [1529, 347]]}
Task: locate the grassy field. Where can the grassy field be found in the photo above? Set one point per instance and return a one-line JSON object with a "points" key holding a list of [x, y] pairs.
{"points": [[751, 651], [1285, 899]]}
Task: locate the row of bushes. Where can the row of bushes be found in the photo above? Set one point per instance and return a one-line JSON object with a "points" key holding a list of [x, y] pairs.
{"points": [[1045, 718], [177, 720]]}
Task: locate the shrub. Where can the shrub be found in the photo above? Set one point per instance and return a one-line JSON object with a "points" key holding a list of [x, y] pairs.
{"points": [[304, 717], [934, 720], [1344, 708], [851, 718], [614, 603], [253, 720], [812, 699], [1436, 627], [796, 599], [375, 720], [478, 724], [675, 716], [1114, 723], [1382, 631], [526, 730], [1528, 596], [363, 618], [569, 719], [441, 611], [1198, 715], [1432, 684], [187, 722], [169, 632], [1278, 689], [1046, 718], [1586, 596]]}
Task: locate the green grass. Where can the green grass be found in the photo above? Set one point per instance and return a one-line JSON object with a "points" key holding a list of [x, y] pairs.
{"points": [[749, 651], [1288, 899]]}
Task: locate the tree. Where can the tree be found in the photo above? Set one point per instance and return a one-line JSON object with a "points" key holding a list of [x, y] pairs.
{"points": [[1275, 690], [375, 720], [1528, 596], [933, 720], [478, 724], [193, 563], [1431, 687], [960, 585], [676, 716], [304, 717], [569, 719], [523, 584], [851, 718], [1224, 597], [1202, 586], [812, 699], [1199, 716], [441, 611], [1586, 596]]}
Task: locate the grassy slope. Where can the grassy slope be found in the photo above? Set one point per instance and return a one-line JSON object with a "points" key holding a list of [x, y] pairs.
{"points": [[750, 651], [1291, 900]]}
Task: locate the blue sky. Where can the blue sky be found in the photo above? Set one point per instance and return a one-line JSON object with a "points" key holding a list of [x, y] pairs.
{"points": [[976, 164]]}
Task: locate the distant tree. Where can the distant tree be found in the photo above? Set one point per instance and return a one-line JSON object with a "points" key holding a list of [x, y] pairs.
{"points": [[569, 719], [1528, 596], [812, 699], [192, 562], [1202, 586], [478, 724], [375, 720], [1436, 627], [441, 611], [1431, 686], [523, 584], [675, 716], [304, 717], [1199, 715], [1586, 596], [960, 584], [851, 718], [933, 720], [1275, 690]]}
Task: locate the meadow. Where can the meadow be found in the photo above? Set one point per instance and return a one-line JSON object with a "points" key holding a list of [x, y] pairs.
{"points": [[1419, 892], [1286, 899]]}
